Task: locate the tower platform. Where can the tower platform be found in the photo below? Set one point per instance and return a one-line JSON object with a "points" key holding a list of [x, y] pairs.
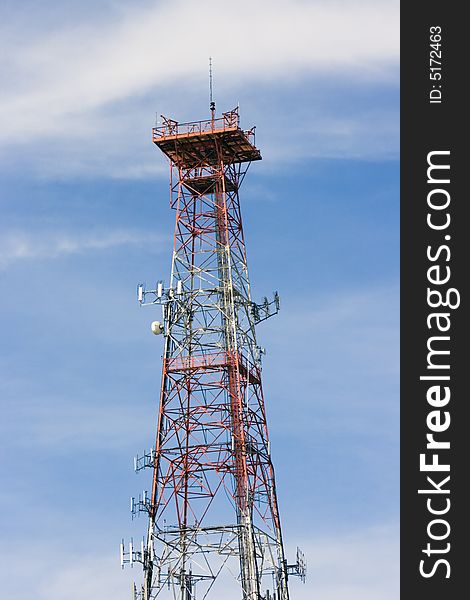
{"points": [[206, 143]]}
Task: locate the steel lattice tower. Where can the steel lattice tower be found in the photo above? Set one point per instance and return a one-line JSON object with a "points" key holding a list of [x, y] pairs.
{"points": [[213, 508]]}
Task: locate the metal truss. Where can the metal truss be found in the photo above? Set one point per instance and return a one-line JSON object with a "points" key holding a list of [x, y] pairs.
{"points": [[212, 508]]}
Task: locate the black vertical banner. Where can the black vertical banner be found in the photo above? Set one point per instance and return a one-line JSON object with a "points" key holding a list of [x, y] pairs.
{"points": [[435, 337]]}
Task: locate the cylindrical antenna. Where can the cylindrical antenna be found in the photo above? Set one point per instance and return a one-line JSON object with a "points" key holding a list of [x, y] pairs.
{"points": [[212, 103]]}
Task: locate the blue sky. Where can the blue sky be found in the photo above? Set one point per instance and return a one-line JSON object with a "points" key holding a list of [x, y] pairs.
{"points": [[85, 217]]}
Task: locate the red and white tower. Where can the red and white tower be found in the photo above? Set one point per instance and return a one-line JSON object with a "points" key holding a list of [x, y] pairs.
{"points": [[213, 511]]}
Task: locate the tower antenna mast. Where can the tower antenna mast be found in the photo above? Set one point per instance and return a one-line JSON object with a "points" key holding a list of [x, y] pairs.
{"points": [[212, 103]]}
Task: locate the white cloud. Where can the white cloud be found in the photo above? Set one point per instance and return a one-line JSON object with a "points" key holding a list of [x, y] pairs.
{"points": [[20, 245], [368, 134], [346, 357], [360, 565], [67, 84], [67, 424], [74, 577], [355, 331]]}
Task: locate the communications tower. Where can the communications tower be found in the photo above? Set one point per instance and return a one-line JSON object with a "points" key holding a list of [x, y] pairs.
{"points": [[213, 516]]}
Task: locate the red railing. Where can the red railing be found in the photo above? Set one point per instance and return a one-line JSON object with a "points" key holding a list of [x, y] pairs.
{"points": [[211, 361], [171, 128], [201, 361], [228, 121]]}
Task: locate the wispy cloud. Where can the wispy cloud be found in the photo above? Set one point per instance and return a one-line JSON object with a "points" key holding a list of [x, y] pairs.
{"points": [[70, 424], [81, 68], [81, 86], [82, 576], [346, 355], [358, 326], [360, 565], [367, 134], [20, 245]]}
